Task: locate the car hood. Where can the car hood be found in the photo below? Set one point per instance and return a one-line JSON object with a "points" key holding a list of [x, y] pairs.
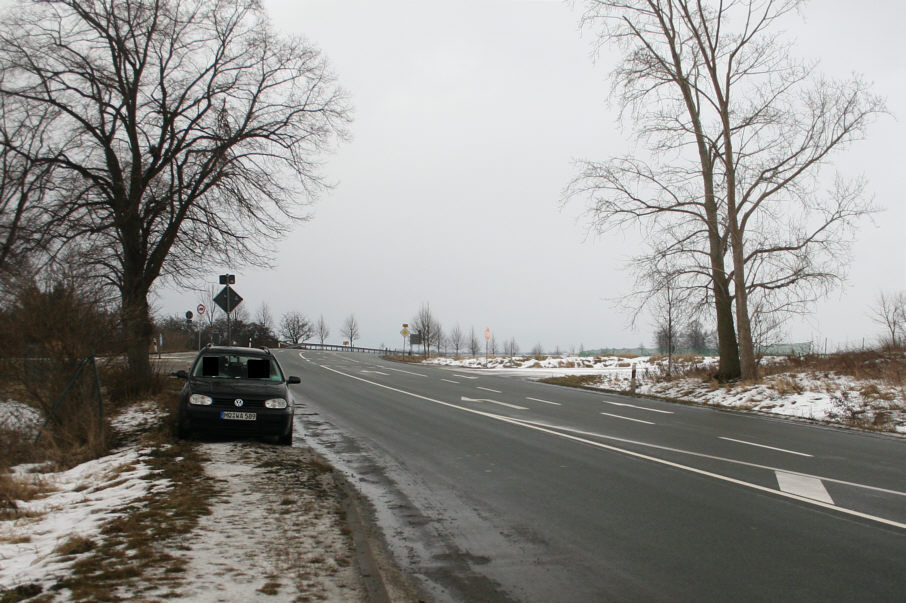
{"points": [[238, 387]]}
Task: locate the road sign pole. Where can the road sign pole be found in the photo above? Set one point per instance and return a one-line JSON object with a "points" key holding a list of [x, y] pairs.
{"points": [[229, 327]]}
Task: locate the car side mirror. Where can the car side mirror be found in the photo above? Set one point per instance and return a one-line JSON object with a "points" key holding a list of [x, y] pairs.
{"points": [[180, 374], [293, 381]]}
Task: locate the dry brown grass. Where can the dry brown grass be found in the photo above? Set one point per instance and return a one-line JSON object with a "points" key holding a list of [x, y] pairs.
{"points": [[786, 385], [17, 489], [886, 367], [75, 545], [413, 359], [129, 546]]}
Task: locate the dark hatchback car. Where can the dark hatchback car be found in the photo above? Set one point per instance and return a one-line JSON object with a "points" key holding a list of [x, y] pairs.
{"points": [[238, 391]]}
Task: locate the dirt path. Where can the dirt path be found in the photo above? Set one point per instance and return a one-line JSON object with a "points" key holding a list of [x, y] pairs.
{"points": [[277, 530]]}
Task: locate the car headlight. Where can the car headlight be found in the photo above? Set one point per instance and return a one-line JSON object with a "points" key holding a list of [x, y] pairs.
{"points": [[200, 400], [275, 403]]}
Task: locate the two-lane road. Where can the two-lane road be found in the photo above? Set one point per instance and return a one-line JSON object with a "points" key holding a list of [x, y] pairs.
{"points": [[494, 488]]}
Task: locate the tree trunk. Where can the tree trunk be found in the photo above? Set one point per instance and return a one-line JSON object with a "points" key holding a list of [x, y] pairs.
{"points": [[138, 331], [749, 368], [728, 367]]}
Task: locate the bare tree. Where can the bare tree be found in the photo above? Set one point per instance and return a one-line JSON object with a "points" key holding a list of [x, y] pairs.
{"points": [[457, 339], [264, 317], [510, 347], [425, 324], [474, 344], [295, 328], [738, 132], [438, 337], [185, 134], [211, 308], [670, 311], [322, 330], [889, 311], [350, 329], [25, 181], [695, 337]]}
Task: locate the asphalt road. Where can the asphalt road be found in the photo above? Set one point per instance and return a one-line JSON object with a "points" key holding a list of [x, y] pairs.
{"points": [[494, 488]]}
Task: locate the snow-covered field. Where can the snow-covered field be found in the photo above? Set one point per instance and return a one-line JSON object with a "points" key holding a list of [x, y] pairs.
{"points": [[825, 397]]}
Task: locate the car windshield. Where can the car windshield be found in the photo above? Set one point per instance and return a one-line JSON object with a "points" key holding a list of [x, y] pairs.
{"points": [[237, 366]]}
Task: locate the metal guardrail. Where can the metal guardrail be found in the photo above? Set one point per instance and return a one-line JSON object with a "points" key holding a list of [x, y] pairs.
{"points": [[335, 348]]}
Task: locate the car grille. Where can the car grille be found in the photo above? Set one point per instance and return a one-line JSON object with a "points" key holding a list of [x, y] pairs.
{"points": [[246, 402]]}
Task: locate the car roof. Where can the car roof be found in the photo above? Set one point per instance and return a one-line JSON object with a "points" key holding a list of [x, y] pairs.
{"points": [[240, 351]]}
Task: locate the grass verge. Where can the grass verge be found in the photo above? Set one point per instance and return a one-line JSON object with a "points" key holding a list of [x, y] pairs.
{"points": [[130, 557]]}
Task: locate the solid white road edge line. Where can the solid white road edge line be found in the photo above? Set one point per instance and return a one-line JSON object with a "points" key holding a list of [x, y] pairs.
{"points": [[631, 453], [715, 458], [764, 446]]}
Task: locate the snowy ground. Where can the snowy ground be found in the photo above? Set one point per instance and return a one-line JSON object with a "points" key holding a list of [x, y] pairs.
{"points": [[275, 531], [825, 397]]}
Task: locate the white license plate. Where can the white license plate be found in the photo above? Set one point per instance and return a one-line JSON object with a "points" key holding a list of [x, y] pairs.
{"points": [[238, 416]]}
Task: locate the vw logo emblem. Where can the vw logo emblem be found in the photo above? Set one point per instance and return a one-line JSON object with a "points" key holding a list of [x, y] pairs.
{"points": [[238, 402]]}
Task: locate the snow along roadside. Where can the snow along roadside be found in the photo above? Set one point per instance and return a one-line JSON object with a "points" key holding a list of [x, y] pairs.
{"points": [[272, 527]]}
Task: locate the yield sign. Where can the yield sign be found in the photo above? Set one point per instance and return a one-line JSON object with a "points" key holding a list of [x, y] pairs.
{"points": [[228, 299]]}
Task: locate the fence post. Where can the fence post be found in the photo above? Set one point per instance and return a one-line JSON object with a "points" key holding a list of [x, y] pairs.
{"points": [[97, 388], [59, 401]]}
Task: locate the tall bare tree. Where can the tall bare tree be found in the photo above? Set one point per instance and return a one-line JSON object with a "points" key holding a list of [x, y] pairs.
{"points": [[671, 310], [738, 133], [321, 329], [457, 339], [350, 329], [211, 308], [185, 133], [510, 347], [474, 344], [264, 317], [427, 325]]}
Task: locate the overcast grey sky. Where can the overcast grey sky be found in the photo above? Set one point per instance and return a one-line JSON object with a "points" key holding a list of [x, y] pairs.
{"points": [[468, 116]]}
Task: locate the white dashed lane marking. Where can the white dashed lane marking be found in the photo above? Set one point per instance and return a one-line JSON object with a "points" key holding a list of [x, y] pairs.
{"points": [[545, 401], [627, 418], [666, 412], [465, 399]]}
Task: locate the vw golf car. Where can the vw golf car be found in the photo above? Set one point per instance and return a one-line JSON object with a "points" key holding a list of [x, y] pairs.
{"points": [[237, 390]]}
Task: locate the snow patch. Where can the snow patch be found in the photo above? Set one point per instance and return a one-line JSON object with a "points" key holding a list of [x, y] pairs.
{"points": [[79, 502], [825, 396]]}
